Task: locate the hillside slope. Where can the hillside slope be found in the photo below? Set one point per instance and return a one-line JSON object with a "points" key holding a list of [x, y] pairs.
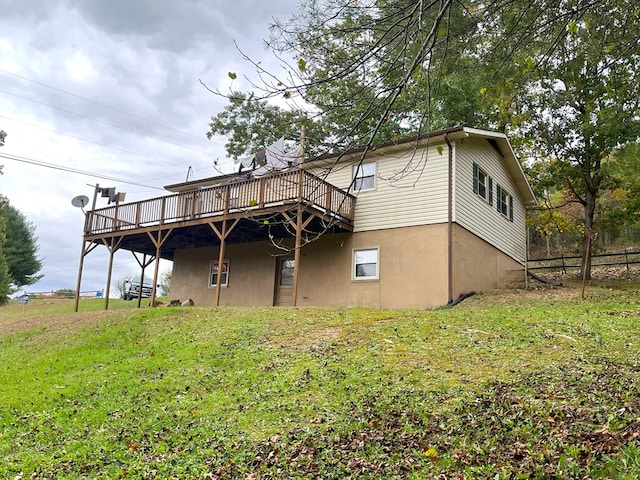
{"points": [[536, 384]]}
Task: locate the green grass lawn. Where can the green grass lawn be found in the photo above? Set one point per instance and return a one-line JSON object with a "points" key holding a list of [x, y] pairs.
{"points": [[533, 384]]}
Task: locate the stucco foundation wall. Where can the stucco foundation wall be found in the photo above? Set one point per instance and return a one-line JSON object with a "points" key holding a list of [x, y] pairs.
{"points": [[413, 268], [251, 275], [478, 266]]}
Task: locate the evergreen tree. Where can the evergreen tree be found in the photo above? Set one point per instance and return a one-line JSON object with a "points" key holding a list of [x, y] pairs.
{"points": [[20, 249], [5, 277]]}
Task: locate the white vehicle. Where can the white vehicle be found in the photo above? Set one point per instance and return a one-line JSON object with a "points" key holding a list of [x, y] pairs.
{"points": [[132, 289]]}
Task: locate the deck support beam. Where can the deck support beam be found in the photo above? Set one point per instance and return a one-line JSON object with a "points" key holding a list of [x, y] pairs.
{"points": [[296, 257], [158, 238], [86, 249], [144, 263], [222, 236], [112, 245], [299, 225]]}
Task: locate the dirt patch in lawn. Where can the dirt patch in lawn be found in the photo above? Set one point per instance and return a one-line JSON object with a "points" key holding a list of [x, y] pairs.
{"points": [[57, 323]]}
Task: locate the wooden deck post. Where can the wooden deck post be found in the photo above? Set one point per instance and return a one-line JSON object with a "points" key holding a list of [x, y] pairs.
{"points": [[296, 258], [261, 193], [152, 300], [163, 204], [138, 215], [82, 254], [227, 196], [113, 245], [144, 263], [299, 225], [327, 205], [221, 261], [158, 242], [300, 185], [85, 251], [194, 197], [222, 236]]}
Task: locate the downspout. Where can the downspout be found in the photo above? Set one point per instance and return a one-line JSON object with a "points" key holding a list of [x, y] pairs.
{"points": [[450, 221], [526, 258]]}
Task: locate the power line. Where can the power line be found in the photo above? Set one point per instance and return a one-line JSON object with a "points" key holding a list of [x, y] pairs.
{"points": [[77, 138], [103, 105], [127, 129], [62, 168]]}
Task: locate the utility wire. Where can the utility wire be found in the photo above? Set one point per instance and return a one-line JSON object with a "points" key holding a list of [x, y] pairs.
{"points": [[79, 138], [62, 168], [127, 129], [104, 145], [103, 105]]}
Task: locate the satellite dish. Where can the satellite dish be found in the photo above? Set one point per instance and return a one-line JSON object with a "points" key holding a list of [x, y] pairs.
{"points": [[23, 299], [80, 201]]}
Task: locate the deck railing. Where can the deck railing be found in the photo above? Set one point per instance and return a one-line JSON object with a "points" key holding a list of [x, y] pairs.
{"points": [[250, 196]]}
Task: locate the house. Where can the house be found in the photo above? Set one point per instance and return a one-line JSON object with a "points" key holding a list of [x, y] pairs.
{"points": [[413, 223]]}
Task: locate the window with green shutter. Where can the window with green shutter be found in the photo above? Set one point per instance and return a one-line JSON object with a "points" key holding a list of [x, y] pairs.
{"points": [[482, 184]]}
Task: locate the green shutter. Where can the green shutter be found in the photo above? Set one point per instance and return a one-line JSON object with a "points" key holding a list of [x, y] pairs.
{"points": [[510, 208], [490, 191], [475, 178], [498, 198]]}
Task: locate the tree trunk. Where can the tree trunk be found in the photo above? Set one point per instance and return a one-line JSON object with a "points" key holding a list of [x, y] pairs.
{"points": [[589, 213]]}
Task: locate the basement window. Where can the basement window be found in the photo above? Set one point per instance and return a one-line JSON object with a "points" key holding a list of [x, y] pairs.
{"points": [[213, 274], [365, 264], [504, 202], [365, 177], [482, 184]]}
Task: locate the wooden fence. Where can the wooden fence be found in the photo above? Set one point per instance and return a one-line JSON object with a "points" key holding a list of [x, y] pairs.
{"points": [[630, 256]]}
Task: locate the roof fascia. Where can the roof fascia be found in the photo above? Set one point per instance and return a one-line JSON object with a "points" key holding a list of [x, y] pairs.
{"points": [[512, 163]]}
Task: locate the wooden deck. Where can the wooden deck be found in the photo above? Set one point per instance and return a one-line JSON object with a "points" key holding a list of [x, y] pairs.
{"points": [[246, 198]]}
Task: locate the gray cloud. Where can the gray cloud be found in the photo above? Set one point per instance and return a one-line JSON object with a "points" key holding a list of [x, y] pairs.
{"points": [[144, 59]]}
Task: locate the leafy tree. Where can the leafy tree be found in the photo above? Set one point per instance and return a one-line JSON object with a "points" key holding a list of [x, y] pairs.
{"points": [[165, 283], [252, 124], [5, 277], [586, 102], [374, 70], [554, 225], [624, 170], [5, 280], [20, 249], [562, 74], [625, 176]]}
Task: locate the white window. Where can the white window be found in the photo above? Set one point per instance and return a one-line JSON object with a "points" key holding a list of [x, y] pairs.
{"points": [[365, 264], [504, 202], [482, 184], [213, 274], [365, 177]]}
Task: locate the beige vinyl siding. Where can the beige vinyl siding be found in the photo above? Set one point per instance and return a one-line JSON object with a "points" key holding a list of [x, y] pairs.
{"points": [[408, 192], [475, 214]]}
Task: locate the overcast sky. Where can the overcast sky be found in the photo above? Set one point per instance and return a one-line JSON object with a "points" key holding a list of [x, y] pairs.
{"points": [[112, 87]]}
